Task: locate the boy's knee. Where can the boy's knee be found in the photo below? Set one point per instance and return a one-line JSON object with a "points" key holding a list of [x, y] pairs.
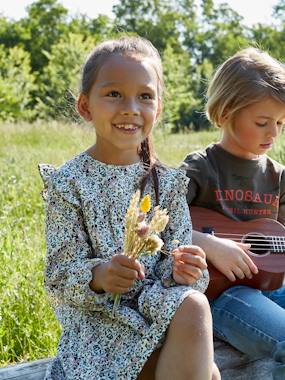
{"points": [[279, 352]]}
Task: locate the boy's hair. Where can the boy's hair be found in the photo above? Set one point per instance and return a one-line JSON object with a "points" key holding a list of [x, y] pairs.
{"points": [[137, 48], [247, 77]]}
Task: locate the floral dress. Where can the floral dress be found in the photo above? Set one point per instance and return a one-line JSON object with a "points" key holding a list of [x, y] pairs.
{"points": [[86, 202]]}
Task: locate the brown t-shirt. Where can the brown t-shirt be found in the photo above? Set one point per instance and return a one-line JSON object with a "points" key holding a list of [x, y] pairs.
{"points": [[239, 188]]}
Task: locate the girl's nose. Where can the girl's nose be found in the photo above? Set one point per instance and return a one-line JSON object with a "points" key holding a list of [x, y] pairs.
{"points": [[130, 107]]}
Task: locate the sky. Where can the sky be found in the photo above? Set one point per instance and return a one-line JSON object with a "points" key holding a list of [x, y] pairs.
{"points": [[254, 11]]}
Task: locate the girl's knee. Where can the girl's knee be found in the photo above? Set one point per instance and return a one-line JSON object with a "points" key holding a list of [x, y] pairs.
{"points": [[194, 312], [197, 304], [216, 373]]}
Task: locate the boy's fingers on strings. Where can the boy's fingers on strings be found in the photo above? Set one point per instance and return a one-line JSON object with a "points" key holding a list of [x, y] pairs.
{"points": [[244, 246], [253, 268], [246, 252]]}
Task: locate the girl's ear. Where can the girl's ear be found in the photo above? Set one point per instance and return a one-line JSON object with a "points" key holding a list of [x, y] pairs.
{"points": [[83, 107], [159, 109]]}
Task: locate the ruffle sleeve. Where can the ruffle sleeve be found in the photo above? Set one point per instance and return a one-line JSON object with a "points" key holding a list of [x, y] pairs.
{"points": [[70, 256]]}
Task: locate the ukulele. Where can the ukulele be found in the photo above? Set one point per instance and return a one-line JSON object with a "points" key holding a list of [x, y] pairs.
{"points": [[267, 251]]}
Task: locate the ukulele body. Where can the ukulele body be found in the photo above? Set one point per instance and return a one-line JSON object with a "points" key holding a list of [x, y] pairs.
{"points": [[269, 232]]}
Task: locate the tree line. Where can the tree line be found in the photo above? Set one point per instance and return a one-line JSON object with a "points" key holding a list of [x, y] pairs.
{"points": [[41, 54]]}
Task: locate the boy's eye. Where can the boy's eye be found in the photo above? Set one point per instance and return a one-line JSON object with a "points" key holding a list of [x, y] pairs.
{"points": [[261, 124], [113, 94]]}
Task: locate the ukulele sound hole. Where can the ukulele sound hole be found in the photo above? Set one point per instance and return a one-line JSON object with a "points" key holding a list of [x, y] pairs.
{"points": [[259, 244]]}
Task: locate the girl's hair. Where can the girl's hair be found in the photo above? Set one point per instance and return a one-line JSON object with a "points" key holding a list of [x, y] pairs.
{"points": [[137, 48], [247, 77]]}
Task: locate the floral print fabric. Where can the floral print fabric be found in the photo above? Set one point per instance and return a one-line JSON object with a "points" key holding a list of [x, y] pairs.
{"points": [[86, 202]]}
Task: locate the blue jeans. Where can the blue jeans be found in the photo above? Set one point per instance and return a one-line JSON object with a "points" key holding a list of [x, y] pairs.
{"points": [[253, 322]]}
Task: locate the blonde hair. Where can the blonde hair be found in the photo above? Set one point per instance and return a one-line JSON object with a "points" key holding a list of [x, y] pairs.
{"points": [[247, 77]]}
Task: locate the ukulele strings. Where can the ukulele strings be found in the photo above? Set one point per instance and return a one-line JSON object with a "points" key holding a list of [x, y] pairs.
{"points": [[259, 242], [242, 235]]}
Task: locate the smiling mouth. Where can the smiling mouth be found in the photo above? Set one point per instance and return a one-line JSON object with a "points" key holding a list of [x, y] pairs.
{"points": [[268, 145], [127, 127]]}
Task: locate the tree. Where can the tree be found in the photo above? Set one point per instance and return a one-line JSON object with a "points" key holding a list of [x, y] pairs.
{"points": [[221, 33], [179, 99], [269, 39], [16, 84], [279, 11], [60, 79], [99, 26], [157, 20], [44, 26]]}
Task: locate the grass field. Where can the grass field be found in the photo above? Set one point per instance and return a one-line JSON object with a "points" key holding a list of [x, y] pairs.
{"points": [[28, 329]]}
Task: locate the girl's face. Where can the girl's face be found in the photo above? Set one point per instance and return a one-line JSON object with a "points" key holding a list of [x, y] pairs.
{"points": [[254, 129], [123, 104]]}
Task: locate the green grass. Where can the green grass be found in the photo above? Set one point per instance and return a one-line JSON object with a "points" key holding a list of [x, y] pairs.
{"points": [[28, 328]]}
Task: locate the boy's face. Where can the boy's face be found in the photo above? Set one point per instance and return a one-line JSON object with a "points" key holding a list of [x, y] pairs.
{"points": [[254, 129]]}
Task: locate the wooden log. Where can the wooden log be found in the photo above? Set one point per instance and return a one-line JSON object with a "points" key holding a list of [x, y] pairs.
{"points": [[233, 366], [34, 370]]}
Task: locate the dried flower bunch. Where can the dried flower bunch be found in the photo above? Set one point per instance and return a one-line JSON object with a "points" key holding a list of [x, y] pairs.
{"points": [[140, 234]]}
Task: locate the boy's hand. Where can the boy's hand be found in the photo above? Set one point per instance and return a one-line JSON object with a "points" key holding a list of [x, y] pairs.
{"points": [[117, 276], [189, 261], [231, 259]]}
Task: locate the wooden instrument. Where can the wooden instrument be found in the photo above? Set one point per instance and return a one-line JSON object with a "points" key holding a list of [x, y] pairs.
{"points": [[267, 239]]}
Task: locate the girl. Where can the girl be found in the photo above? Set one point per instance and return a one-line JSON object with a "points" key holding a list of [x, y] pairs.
{"points": [[87, 199], [246, 99]]}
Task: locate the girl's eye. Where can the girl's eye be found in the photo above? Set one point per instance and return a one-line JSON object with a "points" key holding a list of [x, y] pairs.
{"points": [[261, 125], [113, 94], [146, 96]]}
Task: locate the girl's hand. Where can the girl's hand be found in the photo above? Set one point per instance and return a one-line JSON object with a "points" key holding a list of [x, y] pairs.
{"points": [[231, 259], [189, 261], [117, 276]]}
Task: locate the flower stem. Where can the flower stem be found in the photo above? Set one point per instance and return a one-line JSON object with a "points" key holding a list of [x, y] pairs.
{"points": [[117, 300]]}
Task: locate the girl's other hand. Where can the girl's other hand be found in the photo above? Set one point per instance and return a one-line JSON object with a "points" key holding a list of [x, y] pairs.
{"points": [[231, 258], [118, 275], [189, 262]]}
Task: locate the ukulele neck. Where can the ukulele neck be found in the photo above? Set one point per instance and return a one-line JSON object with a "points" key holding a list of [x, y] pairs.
{"points": [[277, 244]]}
